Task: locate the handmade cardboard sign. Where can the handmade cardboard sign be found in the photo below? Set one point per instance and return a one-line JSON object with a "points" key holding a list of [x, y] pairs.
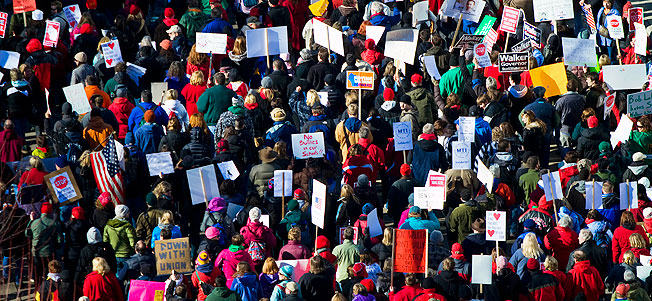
{"points": [[63, 186], [411, 249], [228, 170], [267, 41], [112, 53], [401, 44], [624, 77], [496, 223], [76, 96], [481, 269], [72, 14], [579, 52], [308, 145], [211, 42], [173, 254]]}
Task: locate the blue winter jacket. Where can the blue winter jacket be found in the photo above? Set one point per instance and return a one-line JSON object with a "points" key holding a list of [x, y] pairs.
{"points": [[217, 26], [148, 137], [137, 114], [248, 287], [384, 20]]}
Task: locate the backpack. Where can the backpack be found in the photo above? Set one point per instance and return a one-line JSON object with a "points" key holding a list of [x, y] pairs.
{"points": [[219, 226], [69, 142], [142, 119], [256, 250], [323, 128], [602, 239]]}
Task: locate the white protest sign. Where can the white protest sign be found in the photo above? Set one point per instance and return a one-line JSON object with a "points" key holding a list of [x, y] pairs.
{"points": [[640, 41], [593, 195], [135, 72], [615, 27], [471, 10], [318, 208], [496, 223], [621, 134], [228, 170], [336, 41], [401, 44], [437, 183], [160, 163], [76, 96], [482, 55], [375, 32], [646, 260], [205, 176], [158, 90], [211, 43], [549, 10], [552, 183], [282, 179], [72, 14], [328, 37], [628, 195], [232, 210], [300, 267], [323, 99], [461, 154], [9, 59], [481, 269], [485, 176], [374, 224], [320, 32], [112, 53], [579, 52], [308, 145], [51, 33], [427, 198], [267, 41], [264, 219], [402, 136], [624, 77], [466, 131], [642, 272], [420, 12], [431, 67]]}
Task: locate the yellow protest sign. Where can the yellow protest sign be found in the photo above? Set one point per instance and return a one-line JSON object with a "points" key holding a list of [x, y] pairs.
{"points": [[552, 77], [319, 8]]}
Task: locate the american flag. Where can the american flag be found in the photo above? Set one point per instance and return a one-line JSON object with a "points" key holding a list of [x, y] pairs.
{"points": [[107, 171], [588, 13]]}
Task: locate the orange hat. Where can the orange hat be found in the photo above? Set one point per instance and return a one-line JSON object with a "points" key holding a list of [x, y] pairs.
{"points": [[149, 116], [166, 44]]}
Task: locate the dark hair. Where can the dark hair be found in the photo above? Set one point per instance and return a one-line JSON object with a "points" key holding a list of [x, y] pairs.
{"points": [[348, 233], [193, 3], [593, 76], [515, 77], [323, 54], [237, 240], [572, 85], [180, 290], [503, 145], [228, 188], [146, 96], [220, 79], [220, 281], [532, 162], [571, 157], [216, 12], [121, 67], [91, 80], [278, 64], [166, 233], [95, 112]]}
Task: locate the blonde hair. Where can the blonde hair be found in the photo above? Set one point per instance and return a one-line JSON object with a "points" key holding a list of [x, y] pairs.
{"points": [[171, 94], [604, 60], [294, 234], [339, 297], [102, 41], [101, 266], [636, 241], [312, 97], [530, 247], [359, 289], [167, 219], [162, 188], [197, 78], [629, 258], [270, 267], [529, 118], [551, 264], [250, 98], [387, 237], [85, 159], [281, 149], [346, 191], [239, 46], [36, 163]]}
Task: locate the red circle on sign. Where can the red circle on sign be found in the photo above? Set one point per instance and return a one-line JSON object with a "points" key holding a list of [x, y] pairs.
{"points": [[614, 23], [60, 182], [480, 50], [610, 100]]}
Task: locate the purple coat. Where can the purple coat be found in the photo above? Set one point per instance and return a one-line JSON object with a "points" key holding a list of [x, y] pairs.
{"points": [[294, 250]]}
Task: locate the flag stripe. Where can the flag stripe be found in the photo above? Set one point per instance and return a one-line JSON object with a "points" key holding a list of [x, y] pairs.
{"points": [[105, 163]]}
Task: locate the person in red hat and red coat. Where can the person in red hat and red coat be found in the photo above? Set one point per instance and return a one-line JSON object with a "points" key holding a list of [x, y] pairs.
{"points": [[583, 278], [542, 286], [40, 61]]}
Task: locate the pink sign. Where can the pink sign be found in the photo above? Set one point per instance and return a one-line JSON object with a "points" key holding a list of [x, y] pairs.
{"points": [[146, 290], [51, 33], [510, 19]]}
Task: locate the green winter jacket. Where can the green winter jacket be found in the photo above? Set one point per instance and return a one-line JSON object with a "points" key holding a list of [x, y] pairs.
{"points": [[452, 81], [223, 294], [461, 219], [424, 102], [193, 21], [46, 234], [528, 182], [639, 142], [121, 235], [347, 254], [213, 102]]}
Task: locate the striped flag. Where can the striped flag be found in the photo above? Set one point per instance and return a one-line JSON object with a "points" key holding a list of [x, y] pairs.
{"points": [[107, 171], [588, 13]]}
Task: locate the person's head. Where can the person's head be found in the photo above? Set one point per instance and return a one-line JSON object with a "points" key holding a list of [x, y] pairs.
{"points": [[121, 212], [644, 124], [448, 264], [146, 96], [101, 266], [216, 13], [572, 85], [294, 234], [585, 235], [352, 110], [317, 264], [54, 266], [270, 267], [607, 4], [532, 162], [237, 240], [528, 117], [196, 58], [242, 268], [565, 222], [174, 32], [530, 246], [608, 187], [514, 78], [579, 255], [503, 146], [219, 78], [36, 163], [55, 7], [551, 264], [359, 289], [348, 233], [174, 124], [167, 219], [339, 297], [240, 46], [322, 55], [80, 58], [140, 247], [629, 258], [291, 288], [636, 240]]}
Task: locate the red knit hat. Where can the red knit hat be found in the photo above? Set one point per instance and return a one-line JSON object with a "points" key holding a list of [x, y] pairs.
{"points": [[405, 169], [322, 242], [359, 269], [78, 213], [592, 122], [417, 78], [533, 264], [543, 203], [168, 12], [33, 45], [388, 94], [457, 248], [134, 9], [369, 285], [105, 198], [299, 194], [46, 208], [91, 4]]}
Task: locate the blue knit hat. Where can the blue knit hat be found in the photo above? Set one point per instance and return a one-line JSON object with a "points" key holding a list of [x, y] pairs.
{"points": [[367, 208], [287, 270], [415, 209]]}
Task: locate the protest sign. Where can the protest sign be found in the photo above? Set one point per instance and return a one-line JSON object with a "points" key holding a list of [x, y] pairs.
{"points": [[431, 67], [593, 195], [23, 6], [228, 170], [628, 195], [491, 38], [496, 223], [72, 14], [308, 145], [635, 17], [318, 8], [481, 269], [300, 267], [640, 39], [282, 183], [485, 176], [621, 134], [509, 20], [427, 198], [609, 102], [328, 37], [639, 104], [642, 272], [135, 72], [9, 59], [214, 43], [173, 254], [267, 41], [466, 130], [375, 33], [485, 26], [615, 27], [461, 154], [360, 80], [470, 10], [401, 44], [3, 24], [63, 186], [323, 99], [264, 219], [469, 40], [436, 179], [112, 53], [318, 208], [202, 182], [531, 32], [624, 77], [420, 12], [552, 184], [140, 290], [513, 61], [552, 77], [522, 46], [410, 251], [356, 233], [160, 163], [481, 55], [549, 10], [158, 90], [51, 33], [375, 229], [76, 96], [402, 136], [579, 52], [646, 260]]}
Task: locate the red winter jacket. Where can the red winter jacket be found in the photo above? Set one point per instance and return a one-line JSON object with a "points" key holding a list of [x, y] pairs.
{"points": [[121, 108], [210, 279], [620, 242], [256, 231], [323, 246], [293, 250], [562, 241], [371, 55], [375, 155], [10, 146], [191, 93], [584, 278], [543, 287], [561, 276], [407, 293], [190, 68], [393, 159], [355, 166], [227, 261], [102, 288], [429, 294]]}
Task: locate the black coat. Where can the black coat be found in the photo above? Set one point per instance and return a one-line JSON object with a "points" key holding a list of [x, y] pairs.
{"points": [[506, 286], [280, 16], [175, 140], [280, 81], [318, 72], [76, 237], [589, 140], [317, 287], [90, 251], [87, 43], [448, 283]]}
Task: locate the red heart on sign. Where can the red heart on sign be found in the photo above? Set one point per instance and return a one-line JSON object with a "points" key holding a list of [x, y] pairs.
{"points": [[497, 216], [491, 232], [72, 9], [108, 62], [111, 45]]}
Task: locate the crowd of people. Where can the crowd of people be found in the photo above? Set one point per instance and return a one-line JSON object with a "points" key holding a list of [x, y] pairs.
{"points": [[219, 108]]}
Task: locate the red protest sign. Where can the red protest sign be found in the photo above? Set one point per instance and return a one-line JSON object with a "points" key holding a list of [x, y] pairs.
{"points": [[491, 38], [23, 6], [510, 19], [51, 33], [635, 16], [410, 251]]}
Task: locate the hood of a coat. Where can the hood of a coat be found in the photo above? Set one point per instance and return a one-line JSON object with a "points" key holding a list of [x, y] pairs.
{"points": [[353, 124], [117, 223]]}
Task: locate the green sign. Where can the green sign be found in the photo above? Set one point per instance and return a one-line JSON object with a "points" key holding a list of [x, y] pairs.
{"points": [[486, 25]]}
